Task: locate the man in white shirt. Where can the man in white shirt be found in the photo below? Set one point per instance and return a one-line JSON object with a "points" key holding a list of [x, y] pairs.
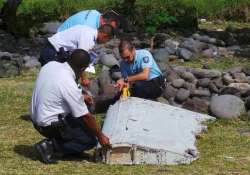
{"points": [[58, 110], [76, 37]]}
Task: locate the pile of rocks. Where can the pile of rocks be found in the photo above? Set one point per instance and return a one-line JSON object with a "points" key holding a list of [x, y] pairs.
{"points": [[196, 46], [224, 94]]}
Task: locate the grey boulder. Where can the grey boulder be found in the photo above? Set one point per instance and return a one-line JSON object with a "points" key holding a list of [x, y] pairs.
{"points": [[227, 106]]}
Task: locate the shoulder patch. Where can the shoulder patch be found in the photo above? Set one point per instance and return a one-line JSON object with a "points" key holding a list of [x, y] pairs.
{"points": [[145, 59]]}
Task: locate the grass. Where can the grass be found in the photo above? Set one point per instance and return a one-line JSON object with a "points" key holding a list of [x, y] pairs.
{"points": [[221, 64], [225, 24], [223, 150]]}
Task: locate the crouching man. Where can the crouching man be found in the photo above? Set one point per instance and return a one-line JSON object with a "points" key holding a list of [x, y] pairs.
{"points": [[140, 72], [59, 112]]}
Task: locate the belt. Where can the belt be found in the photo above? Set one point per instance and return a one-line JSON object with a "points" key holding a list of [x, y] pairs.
{"points": [[160, 81]]}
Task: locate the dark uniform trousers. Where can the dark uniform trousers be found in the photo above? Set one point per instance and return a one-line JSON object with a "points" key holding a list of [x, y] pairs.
{"points": [[70, 135], [151, 89], [49, 53]]}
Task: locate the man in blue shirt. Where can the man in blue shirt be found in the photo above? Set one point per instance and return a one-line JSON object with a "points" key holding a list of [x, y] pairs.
{"points": [[139, 70], [91, 18]]}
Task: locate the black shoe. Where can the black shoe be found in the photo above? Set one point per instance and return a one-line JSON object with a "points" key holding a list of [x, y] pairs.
{"points": [[45, 149]]}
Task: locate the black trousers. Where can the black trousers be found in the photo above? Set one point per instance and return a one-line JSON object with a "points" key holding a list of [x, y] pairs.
{"points": [[71, 136], [148, 89]]}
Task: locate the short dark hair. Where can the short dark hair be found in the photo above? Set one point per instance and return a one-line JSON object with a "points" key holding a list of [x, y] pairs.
{"points": [[112, 16], [107, 29], [79, 59], [125, 44]]}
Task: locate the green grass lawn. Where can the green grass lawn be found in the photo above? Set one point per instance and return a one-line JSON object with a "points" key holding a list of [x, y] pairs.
{"points": [[223, 150]]}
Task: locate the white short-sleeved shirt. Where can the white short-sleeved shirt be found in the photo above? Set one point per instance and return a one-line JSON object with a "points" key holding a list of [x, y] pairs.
{"points": [[56, 92], [76, 37]]}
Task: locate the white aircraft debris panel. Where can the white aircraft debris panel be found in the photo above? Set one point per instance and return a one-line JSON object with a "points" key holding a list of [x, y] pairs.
{"points": [[148, 132]]}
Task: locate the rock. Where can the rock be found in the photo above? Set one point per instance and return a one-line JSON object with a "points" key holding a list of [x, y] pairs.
{"points": [[163, 66], [197, 105], [213, 88], [188, 76], [161, 55], [233, 48], [246, 70], [170, 91], [32, 63], [227, 106], [240, 86], [185, 54], [230, 90], [208, 53], [110, 90], [162, 100], [243, 52], [228, 79], [159, 40], [205, 73], [116, 53], [93, 87], [9, 68], [247, 103], [116, 75], [189, 86], [194, 46], [108, 60], [240, 77], [50, 27], [246, 93], [182, 95], [204, 82], [234, 70], [179, 69], [172, 75], [104, 79], [218, 82], [223, 52], [178, 83], [204, 38], [172, 44], [201, 93]]}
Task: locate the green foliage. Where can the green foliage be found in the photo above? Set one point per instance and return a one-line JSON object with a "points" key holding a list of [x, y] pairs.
{"points": [[157, 19]]}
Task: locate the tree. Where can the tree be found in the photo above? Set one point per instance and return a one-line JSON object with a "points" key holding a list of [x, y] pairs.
{"points": [[8, 15]]}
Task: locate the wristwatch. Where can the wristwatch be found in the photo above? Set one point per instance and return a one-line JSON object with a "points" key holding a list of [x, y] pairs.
{"points": [[126, 79]]}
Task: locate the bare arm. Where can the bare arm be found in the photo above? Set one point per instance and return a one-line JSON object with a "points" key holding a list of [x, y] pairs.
{"points": [[143, 75], [90, 122]]}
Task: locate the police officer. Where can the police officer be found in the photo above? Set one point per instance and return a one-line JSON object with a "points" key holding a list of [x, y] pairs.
{"points": [[91, 18], [140, 70], [76, 37], [59, 112]]}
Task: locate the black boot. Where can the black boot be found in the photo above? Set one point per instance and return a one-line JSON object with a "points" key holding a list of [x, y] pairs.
{"points": [[46, 150]]}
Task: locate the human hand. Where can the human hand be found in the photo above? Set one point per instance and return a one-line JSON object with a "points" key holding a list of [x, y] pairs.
{"points": [[104, 141], [85, 82], [88, 99], [120, 84]]}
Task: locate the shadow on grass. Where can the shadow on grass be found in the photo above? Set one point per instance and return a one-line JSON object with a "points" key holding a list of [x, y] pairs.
{"points": [[26, 117], [30, 152], [27, 151]]}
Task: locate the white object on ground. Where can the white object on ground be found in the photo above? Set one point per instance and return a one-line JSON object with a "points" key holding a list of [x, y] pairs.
{"points": [[148, 132]]}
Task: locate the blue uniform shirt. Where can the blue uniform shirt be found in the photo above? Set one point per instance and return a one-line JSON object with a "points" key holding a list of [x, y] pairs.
{"points": [[90, 18], [143, 59]]}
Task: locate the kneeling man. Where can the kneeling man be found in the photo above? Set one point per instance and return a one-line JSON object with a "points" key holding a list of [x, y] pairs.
{"points": [[59, 112], [140, 71]]}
